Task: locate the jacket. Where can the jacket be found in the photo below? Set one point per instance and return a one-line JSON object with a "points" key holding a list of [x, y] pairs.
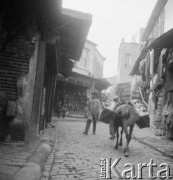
{"points": [[94, 108]]}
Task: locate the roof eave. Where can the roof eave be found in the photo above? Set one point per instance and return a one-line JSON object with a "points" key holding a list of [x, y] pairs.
{"points": [[72, 27], [153, 18]]}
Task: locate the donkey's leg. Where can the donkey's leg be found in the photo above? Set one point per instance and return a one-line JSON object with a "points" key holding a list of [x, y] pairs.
{"points": [[126, 150], [121, 143], [128, 138], [117, 130], [130, 133]]}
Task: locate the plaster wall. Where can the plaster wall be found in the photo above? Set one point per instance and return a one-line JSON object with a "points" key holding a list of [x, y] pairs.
{"points": [[133, 49], [168, 16]]}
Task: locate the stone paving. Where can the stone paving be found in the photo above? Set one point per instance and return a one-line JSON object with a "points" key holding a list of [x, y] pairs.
{"points": [[13, 157], [160, 143], [77, 156], [16, 155]]}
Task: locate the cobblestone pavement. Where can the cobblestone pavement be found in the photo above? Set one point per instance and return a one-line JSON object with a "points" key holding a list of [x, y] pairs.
{"points": [[13, 157], [77, 156], [161, 143]]}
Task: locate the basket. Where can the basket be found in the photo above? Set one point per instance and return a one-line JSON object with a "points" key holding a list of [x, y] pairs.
{"points": [[143, 121], [106, 115]]}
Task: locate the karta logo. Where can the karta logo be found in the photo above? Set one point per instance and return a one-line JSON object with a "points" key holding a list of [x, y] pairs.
{"points": [[108, 170]]}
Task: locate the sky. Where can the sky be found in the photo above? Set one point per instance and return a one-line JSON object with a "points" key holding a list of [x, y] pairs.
{"points": [[113, 20]]}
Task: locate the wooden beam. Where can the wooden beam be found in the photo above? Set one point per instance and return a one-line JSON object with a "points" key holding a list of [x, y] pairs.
{"points": [[37, 101]]}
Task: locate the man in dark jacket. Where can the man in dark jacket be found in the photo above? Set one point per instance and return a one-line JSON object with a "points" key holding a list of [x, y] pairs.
{"points": [[93, 113]]}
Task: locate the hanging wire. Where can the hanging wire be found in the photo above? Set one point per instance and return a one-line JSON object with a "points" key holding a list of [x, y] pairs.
{"points": [[64, 25], [118, 22]]}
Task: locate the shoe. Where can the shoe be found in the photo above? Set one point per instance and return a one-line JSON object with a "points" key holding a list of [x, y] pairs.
{"points": [[112, 137], [85, 133], [94, 132]]}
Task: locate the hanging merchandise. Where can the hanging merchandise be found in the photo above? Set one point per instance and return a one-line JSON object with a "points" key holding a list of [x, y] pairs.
{"points": [[168, 59], [167, 75], [168, 114], [167, 70], [157, 53], [142, 69]]}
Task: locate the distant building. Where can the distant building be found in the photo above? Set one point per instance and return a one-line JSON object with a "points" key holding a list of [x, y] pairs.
{"points": [[127, 55], [91, 61]]}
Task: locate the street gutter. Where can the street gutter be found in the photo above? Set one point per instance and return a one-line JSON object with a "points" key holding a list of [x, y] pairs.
{"points": [[153, 147]]}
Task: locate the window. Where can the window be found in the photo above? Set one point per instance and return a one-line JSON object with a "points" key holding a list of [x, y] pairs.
{"points": [[128, 60], [84, 57], [98, 70]]}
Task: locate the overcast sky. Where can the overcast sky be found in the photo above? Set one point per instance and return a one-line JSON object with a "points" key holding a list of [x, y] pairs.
{"points": [[112, 21]]}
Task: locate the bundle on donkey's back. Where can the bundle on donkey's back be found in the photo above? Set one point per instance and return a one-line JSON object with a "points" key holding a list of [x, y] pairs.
{"points": [[124, 116]]}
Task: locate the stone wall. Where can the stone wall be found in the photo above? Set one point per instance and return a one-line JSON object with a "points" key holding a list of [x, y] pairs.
{"points": [[18, 41]]}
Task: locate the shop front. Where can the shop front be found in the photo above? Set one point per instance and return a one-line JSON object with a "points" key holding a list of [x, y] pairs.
{"points": [[71, 94], [162, 48], [155, 66]]}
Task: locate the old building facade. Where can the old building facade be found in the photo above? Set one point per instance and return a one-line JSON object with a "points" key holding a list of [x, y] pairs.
{"points": [[127, 55], [91, 61]]}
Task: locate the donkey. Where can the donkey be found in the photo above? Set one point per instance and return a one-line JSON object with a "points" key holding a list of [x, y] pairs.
{"points": [[125, 116]]}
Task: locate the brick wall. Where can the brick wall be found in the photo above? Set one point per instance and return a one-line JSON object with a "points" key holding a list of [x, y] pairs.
{"points": [[16, 47], [14, 63], [11, 68]]}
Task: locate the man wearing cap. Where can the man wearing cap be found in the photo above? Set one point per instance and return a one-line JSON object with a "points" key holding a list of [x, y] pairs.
{"points": [[93, 112]]}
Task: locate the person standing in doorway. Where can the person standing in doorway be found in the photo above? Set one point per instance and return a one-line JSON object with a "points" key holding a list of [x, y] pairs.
{"points": [[64, 109], [93, 112]]}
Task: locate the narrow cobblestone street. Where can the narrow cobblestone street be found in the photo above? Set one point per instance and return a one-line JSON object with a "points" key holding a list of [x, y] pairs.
{"points": [[77, 156]]}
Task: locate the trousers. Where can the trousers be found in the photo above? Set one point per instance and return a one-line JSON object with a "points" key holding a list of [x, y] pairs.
{"points": [[88, 123]]}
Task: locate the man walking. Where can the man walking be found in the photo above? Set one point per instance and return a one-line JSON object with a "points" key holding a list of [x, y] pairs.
{"points": [[93, 113]]}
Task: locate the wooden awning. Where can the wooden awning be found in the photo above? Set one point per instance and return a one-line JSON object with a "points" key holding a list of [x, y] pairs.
{"points": [[102, 83], [163, 41], [71, 28]]}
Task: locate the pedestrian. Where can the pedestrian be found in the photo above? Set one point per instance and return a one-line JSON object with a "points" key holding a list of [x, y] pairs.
{"points": [[112, 107], [58, 109], [93, 112], [64, 108]]}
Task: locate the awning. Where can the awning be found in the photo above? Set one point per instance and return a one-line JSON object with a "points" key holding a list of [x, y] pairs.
{"points": [[135, 69], [71, 27], [102, 83], [77, 79], [163, 41]]}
